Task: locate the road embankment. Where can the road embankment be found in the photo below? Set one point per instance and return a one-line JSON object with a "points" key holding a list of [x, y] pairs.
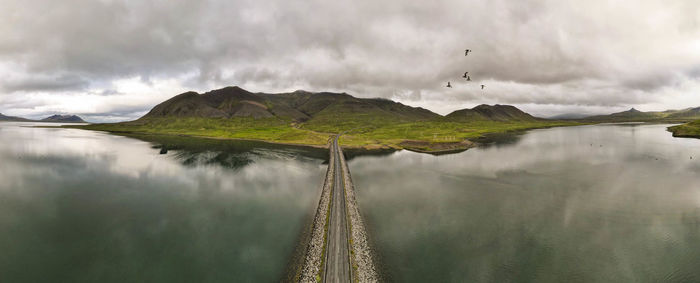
{"points": [[313, 262], [361, 254]]}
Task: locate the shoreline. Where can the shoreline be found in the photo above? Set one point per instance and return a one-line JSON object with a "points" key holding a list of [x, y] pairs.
{"points": [[368, 148], [316, 146], [687, 130], [419, 146], [440, 152]]}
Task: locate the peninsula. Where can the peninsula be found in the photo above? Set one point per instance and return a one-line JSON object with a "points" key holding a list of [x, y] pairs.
{"points": [[309, 118]]}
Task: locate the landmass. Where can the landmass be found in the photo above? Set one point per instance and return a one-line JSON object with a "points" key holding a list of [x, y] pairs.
{"points": [[310, 118], [634, 115], [687, 130], [4, 118], [64, 119], [53, 119], [689, 116]]}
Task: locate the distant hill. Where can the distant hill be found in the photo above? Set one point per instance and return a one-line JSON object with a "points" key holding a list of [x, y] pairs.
{"points": [[634, 115], [53, 118], [13, 119], [688, 113], [63, 119], [300, 106], [496, 112]]}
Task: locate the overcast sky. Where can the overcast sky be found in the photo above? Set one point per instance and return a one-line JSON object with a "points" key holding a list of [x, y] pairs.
{"points": [[114, 60]]}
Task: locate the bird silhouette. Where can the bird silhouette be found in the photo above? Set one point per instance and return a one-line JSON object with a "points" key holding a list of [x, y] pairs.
{"points": [[469, 78], [466, 52], [483, 86], [465, 74], [448, 84]]}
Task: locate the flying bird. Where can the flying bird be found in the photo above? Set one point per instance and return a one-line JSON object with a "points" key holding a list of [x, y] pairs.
{"points": [[466, 52], [483, 86], [448, 84], [465, 74]]}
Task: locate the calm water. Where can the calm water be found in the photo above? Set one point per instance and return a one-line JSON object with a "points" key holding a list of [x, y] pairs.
{"points": [[81, 206], [607, 203]]}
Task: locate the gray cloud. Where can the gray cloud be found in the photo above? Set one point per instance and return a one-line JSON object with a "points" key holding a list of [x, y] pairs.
{"points": [[43, 83], [593, 53]]}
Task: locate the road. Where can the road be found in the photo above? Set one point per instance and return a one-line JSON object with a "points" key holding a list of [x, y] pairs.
{"points": [[337, 268]]}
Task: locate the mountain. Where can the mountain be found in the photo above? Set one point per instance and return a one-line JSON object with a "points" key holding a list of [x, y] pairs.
{"points": [[53, 118], [634, 115], [688, 113], [318, 110], [496, 112], [63, 119], [300, 106], [13, 119], [629, 115], [309, 118]]}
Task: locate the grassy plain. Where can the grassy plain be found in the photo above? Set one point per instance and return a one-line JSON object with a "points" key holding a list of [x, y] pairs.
{"points": [[360, 131], [690, 130]]}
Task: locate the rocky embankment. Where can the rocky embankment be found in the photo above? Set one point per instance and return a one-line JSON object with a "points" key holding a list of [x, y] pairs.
{"points": [[361, 254], [311, 270]]}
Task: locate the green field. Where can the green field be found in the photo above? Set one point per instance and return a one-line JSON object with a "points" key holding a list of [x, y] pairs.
{"points": [[690, 130], [264, 129], [360, 131]]}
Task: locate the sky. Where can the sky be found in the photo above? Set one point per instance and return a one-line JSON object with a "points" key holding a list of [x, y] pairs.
{"points": [[113, 60]]}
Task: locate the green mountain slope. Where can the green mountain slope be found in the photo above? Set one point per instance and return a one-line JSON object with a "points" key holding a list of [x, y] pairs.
{"points": [[485, 112], [688, 113], [299, 106], [188, 104]]}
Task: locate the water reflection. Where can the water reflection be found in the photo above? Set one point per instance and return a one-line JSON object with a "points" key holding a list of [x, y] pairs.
{"points": [[231, 154], [500, 139], [352, 153], [81, 206], [581, 204]]}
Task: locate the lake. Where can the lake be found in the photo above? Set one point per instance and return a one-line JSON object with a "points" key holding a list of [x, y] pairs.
{"points": [[603, 203], [82, 206]]}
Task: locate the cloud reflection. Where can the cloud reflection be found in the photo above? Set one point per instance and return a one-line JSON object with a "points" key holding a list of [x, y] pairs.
{"points": [[584, 204], [80, 206]]}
